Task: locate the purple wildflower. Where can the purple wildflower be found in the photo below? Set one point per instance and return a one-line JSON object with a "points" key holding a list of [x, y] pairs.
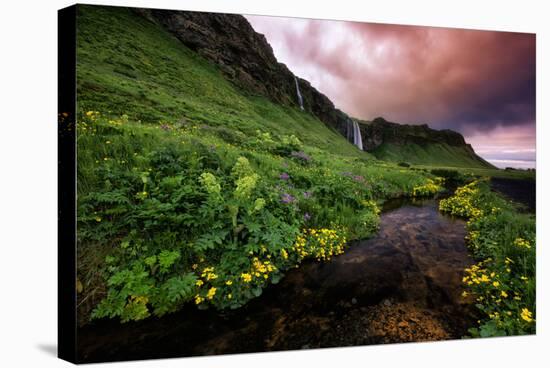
{"points": [[301, 155], [284, 176], [358, 178], [307, 216], [287, 198], [307, 194]]}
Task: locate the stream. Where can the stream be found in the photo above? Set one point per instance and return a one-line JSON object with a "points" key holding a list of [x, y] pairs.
{"points": [[403, 284]]}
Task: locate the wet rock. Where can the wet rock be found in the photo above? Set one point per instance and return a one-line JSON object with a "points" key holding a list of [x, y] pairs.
{"points": [[403, 324]]}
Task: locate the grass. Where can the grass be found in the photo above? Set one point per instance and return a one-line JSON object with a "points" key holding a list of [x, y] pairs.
{"points": [[502, 284], [161, 135], [483, 172], [128, 65], [181, 213], [433, 154]]}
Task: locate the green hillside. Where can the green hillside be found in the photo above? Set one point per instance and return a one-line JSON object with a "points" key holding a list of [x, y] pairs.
{"points": [[431, 154], [128, 65], [419, 145], [191, 190]]}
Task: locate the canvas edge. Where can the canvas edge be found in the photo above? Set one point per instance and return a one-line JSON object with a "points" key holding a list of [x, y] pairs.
{"points": [[66, 196]]}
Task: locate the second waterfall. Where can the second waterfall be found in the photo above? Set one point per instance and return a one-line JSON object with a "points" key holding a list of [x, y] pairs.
{"points": [[353, 133]]}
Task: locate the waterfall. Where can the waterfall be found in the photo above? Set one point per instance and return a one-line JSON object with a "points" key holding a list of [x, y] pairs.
{"points": [[300, 99], [353, 133], [357, 139]]}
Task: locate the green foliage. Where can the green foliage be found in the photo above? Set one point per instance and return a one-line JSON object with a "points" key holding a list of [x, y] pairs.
{"points": [[429, 188], [197, 191], [128, 65], [172, 203], [433, 154], [503, 240]]}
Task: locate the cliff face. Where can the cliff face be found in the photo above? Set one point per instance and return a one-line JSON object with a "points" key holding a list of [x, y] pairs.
{"points": [[418, 144], [381, 131], [246, 58]]}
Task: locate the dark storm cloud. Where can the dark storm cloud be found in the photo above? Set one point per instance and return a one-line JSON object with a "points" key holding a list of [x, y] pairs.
{"points": [[474, 82]]}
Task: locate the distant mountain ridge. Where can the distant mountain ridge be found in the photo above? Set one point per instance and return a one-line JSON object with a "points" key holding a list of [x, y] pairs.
{"points": [[418, 144]]}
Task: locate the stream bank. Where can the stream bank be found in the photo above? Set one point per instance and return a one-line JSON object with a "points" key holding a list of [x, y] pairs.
{"points": [[402, 285]]}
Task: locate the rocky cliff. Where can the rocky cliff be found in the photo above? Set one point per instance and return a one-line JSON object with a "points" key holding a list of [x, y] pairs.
{"points": [[409, 143], [246, 58], [379, 131]]}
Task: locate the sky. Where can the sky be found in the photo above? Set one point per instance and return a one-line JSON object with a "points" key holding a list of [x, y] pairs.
{"points": [[479, 83]]}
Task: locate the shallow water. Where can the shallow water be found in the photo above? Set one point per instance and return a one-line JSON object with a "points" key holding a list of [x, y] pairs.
{"points": [[402, 285], [522, 191]]}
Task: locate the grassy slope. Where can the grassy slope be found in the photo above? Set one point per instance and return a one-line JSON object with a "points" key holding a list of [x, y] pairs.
{"points": [[128, 65], [485, 172], [166, 117], [430, 155]]}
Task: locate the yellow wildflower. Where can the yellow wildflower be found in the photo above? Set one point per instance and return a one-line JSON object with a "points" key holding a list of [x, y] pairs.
{"points": [[284, 254], [522, 243], [526, 315], [211, 276], [211, 293]]}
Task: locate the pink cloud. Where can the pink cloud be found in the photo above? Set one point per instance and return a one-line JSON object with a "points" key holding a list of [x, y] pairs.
{"points": [[466, 80]]}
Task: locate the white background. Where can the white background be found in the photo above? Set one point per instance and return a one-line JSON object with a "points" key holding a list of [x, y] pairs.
{"points": [[28, 181]]}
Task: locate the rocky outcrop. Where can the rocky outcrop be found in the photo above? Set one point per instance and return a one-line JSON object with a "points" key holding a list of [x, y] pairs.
{"points": [[246, 59], [381, 131]]}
